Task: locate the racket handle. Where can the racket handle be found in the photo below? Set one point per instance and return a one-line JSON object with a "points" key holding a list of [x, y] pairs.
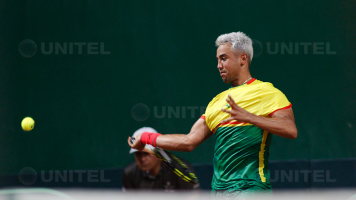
{"points": [[146, 149], [132, 140]]}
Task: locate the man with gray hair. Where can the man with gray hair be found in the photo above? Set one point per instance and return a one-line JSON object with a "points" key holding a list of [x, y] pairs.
{"points": [[243, 119]]}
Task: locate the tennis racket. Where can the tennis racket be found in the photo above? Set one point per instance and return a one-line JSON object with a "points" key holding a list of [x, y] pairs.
{"points": [[174, 163]]}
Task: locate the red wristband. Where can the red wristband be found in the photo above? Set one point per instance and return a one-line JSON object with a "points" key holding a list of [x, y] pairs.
{"points": [[149, 138]]}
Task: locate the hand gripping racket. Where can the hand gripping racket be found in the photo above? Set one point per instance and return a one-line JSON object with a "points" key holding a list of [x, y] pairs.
{"points": [[174, 163]]}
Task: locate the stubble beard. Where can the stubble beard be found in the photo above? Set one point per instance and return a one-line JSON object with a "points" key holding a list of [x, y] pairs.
{"points": [[226, 79]]}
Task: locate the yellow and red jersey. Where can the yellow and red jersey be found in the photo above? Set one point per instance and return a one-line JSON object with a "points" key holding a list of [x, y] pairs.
{"points": [[241, 149]]}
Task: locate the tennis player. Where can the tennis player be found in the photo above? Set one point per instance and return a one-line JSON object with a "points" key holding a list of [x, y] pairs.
{"points": [[243, 119]]}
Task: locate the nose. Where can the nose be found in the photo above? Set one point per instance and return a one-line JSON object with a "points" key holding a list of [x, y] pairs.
{"points": [[220, 66], [143, 158]]}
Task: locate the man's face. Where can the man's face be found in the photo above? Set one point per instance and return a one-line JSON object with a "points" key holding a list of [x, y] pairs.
{"points": [[146, 161], [228, 63]]}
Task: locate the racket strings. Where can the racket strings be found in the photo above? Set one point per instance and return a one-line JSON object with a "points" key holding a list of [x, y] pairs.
{"points": [[176, 165]]}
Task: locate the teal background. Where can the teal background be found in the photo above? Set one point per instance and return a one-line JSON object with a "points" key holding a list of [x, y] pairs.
{"points": [[163, 54]]}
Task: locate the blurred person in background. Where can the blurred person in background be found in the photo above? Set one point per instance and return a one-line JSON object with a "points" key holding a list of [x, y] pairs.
{"points": [[149, 173]]}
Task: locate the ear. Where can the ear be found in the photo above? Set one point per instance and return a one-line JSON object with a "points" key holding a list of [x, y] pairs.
{"points": [[243, 59]]}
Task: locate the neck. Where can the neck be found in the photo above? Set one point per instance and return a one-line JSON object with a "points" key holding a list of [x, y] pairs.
{"points": [[241, 80], [156, 169]]}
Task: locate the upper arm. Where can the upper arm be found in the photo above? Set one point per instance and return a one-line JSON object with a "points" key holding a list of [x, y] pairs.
{"points": [[289, 121], [285, 113], [199, 132]]}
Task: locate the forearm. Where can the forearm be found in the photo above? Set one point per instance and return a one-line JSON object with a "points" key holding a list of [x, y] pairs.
{"points": [[281, 126], [181, 142], [175, 142]]}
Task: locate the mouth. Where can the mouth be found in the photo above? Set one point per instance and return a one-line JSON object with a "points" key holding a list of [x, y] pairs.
{"points": [[222, 73]]}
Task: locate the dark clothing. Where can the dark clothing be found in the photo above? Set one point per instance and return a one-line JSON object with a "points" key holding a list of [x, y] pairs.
{"points": [[166, 179]]}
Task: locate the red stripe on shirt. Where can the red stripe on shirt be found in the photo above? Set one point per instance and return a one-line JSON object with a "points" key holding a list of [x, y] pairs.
{"points": [[280, 109], [233, 122], [250, 81]]}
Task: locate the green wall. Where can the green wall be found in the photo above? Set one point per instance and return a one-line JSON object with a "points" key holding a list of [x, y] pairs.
{"points": [[162, 53]]}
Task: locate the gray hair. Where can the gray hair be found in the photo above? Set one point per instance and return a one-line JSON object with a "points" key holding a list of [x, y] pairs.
{"points": [[239, 40]]}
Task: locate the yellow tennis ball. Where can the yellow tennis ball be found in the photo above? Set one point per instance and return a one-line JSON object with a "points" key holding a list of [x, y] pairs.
{"points": [[27, 124]]}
